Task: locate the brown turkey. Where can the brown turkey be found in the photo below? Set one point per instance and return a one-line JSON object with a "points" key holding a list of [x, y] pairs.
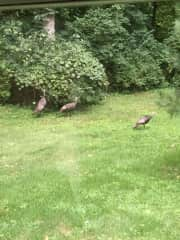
{"points": [[40, 105], [69, 106], [143, 121]]}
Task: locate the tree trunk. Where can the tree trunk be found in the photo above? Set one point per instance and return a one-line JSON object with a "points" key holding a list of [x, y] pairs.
{"points": [[154, 15], [49, 26]]}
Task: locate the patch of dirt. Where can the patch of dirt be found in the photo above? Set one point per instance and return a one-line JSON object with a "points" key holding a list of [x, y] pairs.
{"points": [[65, 230]]}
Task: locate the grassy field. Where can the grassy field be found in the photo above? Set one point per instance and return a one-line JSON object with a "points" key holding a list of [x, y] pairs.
{"points": [[90, 176]]}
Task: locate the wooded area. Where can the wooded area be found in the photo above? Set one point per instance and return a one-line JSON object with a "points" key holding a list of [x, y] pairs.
{"points": [[85, 52]]}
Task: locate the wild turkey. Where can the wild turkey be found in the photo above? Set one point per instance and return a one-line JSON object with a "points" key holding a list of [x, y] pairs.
{"points": [[143, 120], [40, 105], [69, 106]]}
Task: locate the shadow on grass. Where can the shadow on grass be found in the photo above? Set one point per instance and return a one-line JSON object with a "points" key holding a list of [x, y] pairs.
{"points": [[142, 128], [170, 164], [166, 166]]}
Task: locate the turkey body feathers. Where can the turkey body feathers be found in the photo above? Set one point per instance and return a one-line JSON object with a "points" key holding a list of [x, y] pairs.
{"points": [[143, 120], [40, 105], [68, 107]]}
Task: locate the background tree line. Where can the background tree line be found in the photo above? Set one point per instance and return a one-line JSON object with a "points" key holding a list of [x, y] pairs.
{"points": [[85, 52]]}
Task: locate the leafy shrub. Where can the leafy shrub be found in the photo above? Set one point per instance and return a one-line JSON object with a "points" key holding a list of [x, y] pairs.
{"points": [[143, 65], [102, 31], [137, 71], [171, 101], [174, 43], [165, 16], [11, 35], [4, 84], [62, 69], [133, 58]]}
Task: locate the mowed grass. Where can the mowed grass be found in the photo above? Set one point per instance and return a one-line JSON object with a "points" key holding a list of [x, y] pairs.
{"points": [[89, 175]]}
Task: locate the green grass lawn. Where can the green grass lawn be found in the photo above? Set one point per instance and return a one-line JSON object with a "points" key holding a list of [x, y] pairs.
{"points": [[90, 176]]}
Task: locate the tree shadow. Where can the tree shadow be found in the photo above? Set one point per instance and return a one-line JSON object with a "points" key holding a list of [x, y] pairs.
{"points": [[141, 128]]}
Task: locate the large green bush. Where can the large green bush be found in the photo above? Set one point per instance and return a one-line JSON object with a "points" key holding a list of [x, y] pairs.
{"points": [[164, 19], [171, 101], [136, 72], [11, 33], [174, 44], [133, 58], [63, 70], [102, 31], [4, 83]]}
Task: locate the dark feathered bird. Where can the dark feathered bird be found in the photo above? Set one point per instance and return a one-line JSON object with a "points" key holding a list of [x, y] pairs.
{"points": [[69, 106], [143, 121], [40, 105]]}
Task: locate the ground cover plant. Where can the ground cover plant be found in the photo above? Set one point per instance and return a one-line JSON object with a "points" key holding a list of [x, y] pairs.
{"points": [[89, 175]]}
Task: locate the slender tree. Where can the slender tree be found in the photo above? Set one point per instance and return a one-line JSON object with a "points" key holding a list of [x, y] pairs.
{"points": [[49, 24]]}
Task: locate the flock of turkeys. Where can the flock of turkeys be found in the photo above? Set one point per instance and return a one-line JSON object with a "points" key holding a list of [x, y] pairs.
{"points": [[43, 102], [71, 106]]}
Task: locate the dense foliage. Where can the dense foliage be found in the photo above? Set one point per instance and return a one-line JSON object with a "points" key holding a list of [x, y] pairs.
{"points": [[174, 43], [120, 46], [63, 70], [4, 83], [164, 19], [171, 101], [125, 45]]}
